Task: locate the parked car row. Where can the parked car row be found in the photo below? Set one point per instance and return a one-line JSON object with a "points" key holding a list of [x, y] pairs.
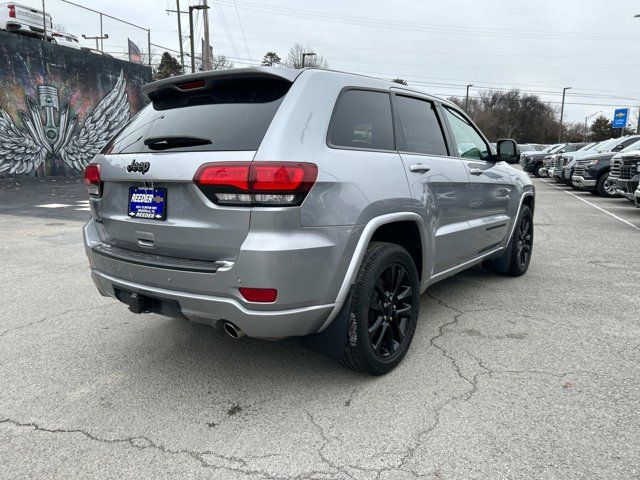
{"points": [[25, 20], [610, 168]]}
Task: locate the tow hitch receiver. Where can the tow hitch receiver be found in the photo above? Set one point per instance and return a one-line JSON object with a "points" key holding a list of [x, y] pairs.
{"points": [[137, 303]]}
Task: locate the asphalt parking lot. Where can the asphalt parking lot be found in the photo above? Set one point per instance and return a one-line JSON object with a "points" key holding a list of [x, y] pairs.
{"points": [[535, 377]]}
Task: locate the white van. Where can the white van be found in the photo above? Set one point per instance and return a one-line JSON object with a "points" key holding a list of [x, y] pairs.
{"points": [[21, 18]]}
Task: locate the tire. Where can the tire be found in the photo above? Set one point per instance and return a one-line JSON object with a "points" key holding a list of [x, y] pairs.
{"points": [[517, 257], [603, 187], [384, 310], [536, 171]]}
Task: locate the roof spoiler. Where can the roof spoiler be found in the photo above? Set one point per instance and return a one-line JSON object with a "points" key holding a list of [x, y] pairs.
{"points": [[201, 80]]}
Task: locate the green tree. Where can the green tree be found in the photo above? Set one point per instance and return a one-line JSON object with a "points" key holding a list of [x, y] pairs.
{"points": [[294, 58], [271, 59], [168, 67], [401, 81]]}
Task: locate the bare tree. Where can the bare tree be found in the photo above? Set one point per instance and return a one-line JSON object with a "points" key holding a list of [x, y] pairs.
{"points": [[294, 58], [220, 62]]}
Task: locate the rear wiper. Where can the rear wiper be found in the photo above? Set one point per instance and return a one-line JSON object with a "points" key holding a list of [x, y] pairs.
{"points": [[178, 141]]}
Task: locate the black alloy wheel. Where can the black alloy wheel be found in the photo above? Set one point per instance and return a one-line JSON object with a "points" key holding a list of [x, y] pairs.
{"points": [[524, 244], [390, 310]]}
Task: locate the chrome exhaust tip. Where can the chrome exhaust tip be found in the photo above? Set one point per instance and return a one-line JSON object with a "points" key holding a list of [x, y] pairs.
{"points": [[233, 331]]}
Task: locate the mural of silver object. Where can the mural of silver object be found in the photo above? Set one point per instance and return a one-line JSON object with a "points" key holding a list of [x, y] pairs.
{"points": [[22, 152]]}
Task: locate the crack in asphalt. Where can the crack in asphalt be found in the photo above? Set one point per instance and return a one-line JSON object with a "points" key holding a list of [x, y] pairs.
{"points": [[142, 443], [49, 317]]}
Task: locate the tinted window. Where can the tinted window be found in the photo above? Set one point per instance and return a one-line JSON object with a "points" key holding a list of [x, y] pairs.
{"points": [[419, 126], [469, 142], [232, 114], [362, 119]]}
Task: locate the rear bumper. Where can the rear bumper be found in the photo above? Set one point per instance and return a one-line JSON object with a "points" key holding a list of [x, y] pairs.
{"points": [[581, 182], [306, 267], [213, 310]]}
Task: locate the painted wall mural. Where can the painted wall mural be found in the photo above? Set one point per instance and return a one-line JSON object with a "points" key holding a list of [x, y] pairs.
{"points": [[59, 107]]}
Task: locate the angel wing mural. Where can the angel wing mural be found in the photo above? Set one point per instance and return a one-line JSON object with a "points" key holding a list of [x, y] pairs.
{"points": [[24, 151]]}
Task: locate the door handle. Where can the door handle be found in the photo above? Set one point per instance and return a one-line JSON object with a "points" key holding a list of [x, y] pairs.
{"points": [[419, 168], [476, 171]]}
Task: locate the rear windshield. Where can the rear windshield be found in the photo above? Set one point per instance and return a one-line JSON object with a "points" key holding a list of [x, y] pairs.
{"points": [[231, 115]]}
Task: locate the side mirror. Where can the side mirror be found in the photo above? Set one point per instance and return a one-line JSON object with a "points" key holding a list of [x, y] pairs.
{"points": [[507, 150]]}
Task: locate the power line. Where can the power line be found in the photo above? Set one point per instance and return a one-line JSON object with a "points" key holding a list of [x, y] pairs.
{"points": [[244, 37], [425, 27], [227, 30]]}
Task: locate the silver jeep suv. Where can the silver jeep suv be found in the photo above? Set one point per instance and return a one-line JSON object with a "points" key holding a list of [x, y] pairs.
{"points": [[278, 203]]}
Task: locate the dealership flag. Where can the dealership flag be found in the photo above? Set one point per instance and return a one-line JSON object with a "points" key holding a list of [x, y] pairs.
{"points": [[135, 55]]}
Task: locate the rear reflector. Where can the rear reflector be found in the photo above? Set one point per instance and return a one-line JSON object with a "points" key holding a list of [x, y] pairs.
{"points": [[92, 179], [262, 295], [12, 11], [256, 183]]}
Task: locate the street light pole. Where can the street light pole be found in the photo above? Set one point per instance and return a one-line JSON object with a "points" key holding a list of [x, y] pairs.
{"points": [[584, 139], [466, 99], [305, 55], [564, 93]]}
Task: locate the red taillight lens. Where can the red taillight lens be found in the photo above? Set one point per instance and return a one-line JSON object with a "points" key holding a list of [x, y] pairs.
{"points": [[92, 179], [256, 183], [221, 175], [283, 177], [12, 11], [262, 295]]}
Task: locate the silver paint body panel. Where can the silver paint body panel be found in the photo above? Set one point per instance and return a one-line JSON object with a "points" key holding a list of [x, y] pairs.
{"points": [[311, 253]]}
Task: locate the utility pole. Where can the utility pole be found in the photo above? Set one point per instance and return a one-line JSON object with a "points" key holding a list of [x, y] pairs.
{"points": [[305, 55], [206, 54], [193, 53], [180, 35], [179, 12], [564, 93], [466, 100]]}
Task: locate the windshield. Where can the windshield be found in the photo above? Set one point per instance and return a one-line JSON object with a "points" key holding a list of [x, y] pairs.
{"points": [[634, 146], [549, 148], [556, 148], [588, 147], [607, 145]]}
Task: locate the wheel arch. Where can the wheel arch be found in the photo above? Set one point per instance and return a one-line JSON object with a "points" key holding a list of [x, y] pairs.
{"points": [[381, 229]]}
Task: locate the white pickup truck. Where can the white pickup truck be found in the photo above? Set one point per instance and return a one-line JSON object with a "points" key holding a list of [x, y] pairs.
{"points": [[24, 19]]}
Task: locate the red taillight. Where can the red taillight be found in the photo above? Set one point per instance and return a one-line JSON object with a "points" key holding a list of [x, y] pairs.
{"points": [[92, 179], [12, 11], [233, 175], [262, 295], [256, 183]]}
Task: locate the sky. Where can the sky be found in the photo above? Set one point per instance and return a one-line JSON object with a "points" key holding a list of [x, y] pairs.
{"points": [[537, 46]]}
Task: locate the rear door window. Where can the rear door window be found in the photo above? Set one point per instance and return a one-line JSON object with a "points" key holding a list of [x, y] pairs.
{"points": [[231, 115], [419, 127], [362, 119]]}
